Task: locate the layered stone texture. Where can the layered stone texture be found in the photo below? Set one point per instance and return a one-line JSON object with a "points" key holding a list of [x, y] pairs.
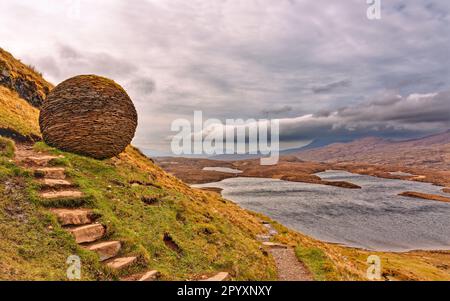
{"points": [[88, 115]]}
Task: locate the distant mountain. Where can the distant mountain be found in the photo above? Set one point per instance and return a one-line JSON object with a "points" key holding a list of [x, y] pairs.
{"points": [[431, 151], [317, 143], [284, 152]]}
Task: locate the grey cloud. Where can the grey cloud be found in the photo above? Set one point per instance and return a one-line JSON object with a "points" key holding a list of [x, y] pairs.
{"points": [[426, 113], [68, 52], [101, 63], [332, 86], [277, 110], [143, 86], [50, 65], [411, 109]]}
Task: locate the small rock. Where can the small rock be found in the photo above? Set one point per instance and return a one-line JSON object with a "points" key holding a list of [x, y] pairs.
{"points": [[274, 245], [150, 200], [222, 276]]}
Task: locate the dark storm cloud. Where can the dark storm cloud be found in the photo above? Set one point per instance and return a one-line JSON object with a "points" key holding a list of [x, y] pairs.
{"points": [[416, 113], [412, 109]]}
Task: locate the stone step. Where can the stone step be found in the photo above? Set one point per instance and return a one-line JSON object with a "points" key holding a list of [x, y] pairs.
{"points": [[73, 217], [55, 183], [222, 276], [106, 249], [148, 276], [63, 194], [272, 231], [88, 233], [274, 245], [50, 173], [264, 237], [121, 262], [39, 160]]}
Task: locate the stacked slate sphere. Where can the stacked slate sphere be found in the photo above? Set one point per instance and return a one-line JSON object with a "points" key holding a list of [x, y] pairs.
{"points": [[88, 115]]}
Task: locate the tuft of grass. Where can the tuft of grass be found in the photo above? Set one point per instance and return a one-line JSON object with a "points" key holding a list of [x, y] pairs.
{"points": [[65, 203], [7, 166], [6, 147], [317, 262]]}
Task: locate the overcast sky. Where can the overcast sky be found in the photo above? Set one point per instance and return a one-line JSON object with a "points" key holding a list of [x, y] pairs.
{"points": [[320, 66]]}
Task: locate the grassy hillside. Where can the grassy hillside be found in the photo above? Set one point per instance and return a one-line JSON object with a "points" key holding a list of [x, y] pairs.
{"points": [[18, 119], [22, 90], [209, 234], [23, 79]]}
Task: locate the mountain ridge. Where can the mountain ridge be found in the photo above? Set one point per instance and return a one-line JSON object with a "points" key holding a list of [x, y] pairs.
{"points": [[430, 151]]}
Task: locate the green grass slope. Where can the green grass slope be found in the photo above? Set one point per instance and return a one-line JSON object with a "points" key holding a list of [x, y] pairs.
{"points": [[210, 234], [142, 206], [32, 245], [18, 119]]}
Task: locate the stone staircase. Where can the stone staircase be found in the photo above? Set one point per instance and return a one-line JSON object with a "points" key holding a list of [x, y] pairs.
{"points": [[80, 222]]}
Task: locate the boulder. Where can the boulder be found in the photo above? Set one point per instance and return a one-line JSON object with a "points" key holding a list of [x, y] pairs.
{"points": [[88, 115]]}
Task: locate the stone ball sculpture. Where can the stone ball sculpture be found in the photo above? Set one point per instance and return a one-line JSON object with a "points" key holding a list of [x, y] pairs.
{"points": [[88, 115]]}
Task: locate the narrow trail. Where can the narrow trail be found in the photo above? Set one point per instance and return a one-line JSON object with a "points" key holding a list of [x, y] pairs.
{"points": [[79, 221], [288, 266]]}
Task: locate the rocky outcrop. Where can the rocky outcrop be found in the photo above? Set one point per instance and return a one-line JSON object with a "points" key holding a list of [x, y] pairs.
{"points": [[89, 115], [21, 78]]}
